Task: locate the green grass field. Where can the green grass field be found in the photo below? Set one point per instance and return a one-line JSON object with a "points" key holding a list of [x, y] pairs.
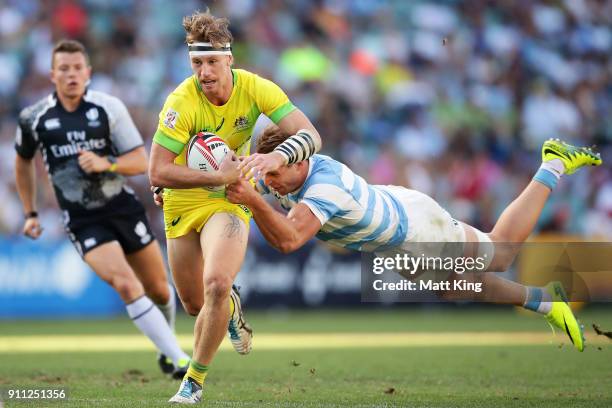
{"points": [[459, 357]]}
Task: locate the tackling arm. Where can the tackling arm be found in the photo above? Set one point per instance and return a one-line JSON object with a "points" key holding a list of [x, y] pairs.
{"points": [[304, 142], [294, 124], [285, 233]]}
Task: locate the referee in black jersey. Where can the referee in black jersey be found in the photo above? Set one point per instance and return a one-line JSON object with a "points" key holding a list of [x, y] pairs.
{"points": [[89, 144]]}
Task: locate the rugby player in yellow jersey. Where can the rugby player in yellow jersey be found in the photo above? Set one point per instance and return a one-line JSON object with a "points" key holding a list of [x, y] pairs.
{"points": [[206, 234]]}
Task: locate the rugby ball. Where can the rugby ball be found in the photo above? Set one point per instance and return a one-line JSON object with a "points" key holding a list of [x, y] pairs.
{"points": [[205, 152]]}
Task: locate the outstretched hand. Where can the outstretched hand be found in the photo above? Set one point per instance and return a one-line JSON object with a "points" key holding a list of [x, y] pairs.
{"points": [[241, 192], [258, 164]]}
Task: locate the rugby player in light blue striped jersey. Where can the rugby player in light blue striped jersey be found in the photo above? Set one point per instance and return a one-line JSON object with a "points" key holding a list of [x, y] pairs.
{"points": [[326, 200]]}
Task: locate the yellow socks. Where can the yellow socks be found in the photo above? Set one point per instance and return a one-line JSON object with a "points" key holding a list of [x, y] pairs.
{"points": [[197, 372]]}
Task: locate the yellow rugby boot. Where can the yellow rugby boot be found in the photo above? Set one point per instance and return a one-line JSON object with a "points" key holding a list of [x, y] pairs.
{"points": [[238, 330], [572, 157], [561, 315]]}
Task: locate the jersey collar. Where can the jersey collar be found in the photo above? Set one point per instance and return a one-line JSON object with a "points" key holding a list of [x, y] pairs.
{"points": [[59, 104]]}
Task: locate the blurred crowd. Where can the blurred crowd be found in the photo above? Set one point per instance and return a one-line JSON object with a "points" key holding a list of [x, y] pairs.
{"points": [[452, 98]]}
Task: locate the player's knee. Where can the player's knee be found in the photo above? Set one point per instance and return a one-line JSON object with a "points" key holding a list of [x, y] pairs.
{"points": [[504, 252], [192, 308], [217, 288], [483, 249], [128, 287], [192, 302], [501, 235], [159, 293]]}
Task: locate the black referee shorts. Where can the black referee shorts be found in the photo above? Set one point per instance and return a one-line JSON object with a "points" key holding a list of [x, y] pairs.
{"points": [[133, 233]]}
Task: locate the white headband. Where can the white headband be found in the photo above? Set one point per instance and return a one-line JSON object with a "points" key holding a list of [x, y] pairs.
{"points": [[198, 49]]}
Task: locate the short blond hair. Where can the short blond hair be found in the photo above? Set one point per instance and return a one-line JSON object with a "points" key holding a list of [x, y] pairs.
{"points": [[204, 27]]}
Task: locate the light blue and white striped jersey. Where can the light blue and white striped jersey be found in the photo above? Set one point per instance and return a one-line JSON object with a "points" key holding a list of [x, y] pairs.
{"points": [[353, 214]]}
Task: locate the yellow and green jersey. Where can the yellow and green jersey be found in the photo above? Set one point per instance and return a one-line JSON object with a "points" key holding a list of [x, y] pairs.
{"points": [[187, 112]]}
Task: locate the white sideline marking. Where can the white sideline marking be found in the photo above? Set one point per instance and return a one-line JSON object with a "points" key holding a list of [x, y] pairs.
{"points": [[270, 341]]}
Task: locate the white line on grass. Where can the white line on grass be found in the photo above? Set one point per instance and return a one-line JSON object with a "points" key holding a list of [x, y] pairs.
{"points": [[270, 341]]}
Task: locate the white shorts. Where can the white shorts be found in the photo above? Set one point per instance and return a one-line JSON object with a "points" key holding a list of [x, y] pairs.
{"points": [[427, 221], [432, 232]]}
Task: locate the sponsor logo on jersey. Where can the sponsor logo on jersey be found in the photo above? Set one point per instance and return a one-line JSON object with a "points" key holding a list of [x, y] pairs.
{"points": [[53, 123], [170, 119], [77, 141], [93, 115], [76, 136], [241, 123]]}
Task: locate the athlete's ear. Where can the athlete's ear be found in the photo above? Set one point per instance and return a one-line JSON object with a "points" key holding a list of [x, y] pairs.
{"points": [[51, 73], [88, 81], [230, 60]]}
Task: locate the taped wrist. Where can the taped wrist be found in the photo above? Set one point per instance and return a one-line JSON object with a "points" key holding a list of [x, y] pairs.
{"points": [[298, 147]]}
